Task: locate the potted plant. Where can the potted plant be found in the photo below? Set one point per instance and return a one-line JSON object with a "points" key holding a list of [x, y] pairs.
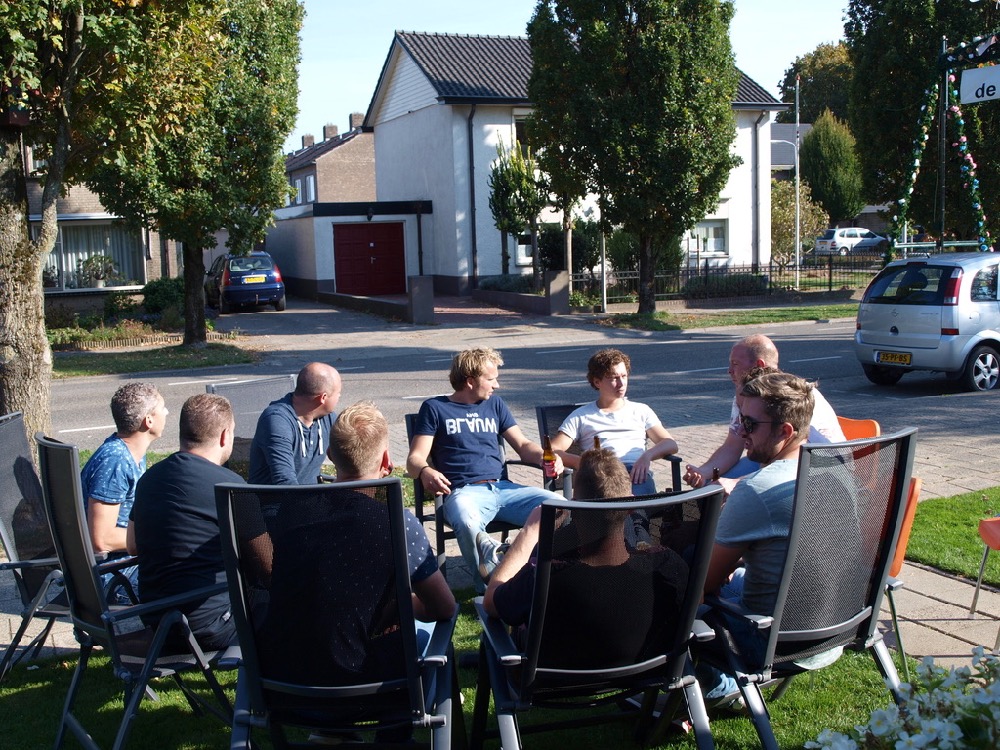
{"points": [[50, 276], [98, 268]]}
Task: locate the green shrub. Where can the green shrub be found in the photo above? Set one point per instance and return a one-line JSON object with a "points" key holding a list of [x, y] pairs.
{"points": [[171, 319], [61, 316], [510, 283], [118, 305], [729, 285], [160, 294], [583, 299]]}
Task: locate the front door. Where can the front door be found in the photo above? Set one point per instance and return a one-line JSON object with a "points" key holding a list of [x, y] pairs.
{"points": [[368, 258]]}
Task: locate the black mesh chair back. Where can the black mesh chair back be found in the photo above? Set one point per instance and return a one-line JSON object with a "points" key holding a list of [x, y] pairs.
{"points": [[137, 653], [605, 620], [319, 582], [551, 418], [250, 397], [27, 543], [443, 532]]}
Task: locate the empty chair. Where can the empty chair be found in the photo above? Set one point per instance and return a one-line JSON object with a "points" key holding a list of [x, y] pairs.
{"points": [[898, 558], [319, 579], [27, 542], [137, 653], [855, 429], [606, 623], [848, 510], [989, 532]]}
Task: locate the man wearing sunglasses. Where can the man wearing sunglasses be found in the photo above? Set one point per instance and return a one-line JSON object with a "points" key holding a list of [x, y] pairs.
{"points": [[774, 417], [748, 353]]}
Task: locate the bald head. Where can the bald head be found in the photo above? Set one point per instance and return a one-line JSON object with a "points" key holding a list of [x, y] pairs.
{"points": [[317, 390], [756, 350]]}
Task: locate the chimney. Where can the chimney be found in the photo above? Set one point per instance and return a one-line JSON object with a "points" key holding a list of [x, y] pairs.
{"points": [[329, 131], [307, 140], [356, 119]]}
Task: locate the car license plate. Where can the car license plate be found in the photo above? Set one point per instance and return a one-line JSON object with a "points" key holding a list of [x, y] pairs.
{"points": [[254, 279], [893, 358]]}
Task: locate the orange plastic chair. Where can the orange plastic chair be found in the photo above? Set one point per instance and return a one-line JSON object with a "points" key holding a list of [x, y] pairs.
{"points": [[897, 564], [855, 429], [989, 532]]}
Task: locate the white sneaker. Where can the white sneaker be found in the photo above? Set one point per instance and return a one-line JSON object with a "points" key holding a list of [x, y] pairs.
{"points": [[490, 551]]}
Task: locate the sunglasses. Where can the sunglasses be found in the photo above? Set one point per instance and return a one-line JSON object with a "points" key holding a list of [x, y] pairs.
{"points": [[749, 424]]}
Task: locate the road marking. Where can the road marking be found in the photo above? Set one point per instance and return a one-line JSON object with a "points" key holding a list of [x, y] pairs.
{"points": [[564, 351], [817, 359], [423, 398], [210, 380], [439, 359], [88, 429], [355, 367], [688, 372], [568, 382]]}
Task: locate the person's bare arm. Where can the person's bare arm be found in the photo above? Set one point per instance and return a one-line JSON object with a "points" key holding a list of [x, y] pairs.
{"points": [[527, 450], [130, 544], [724, 458], [432, 599], [516, 558], [561, 444], [721, 566], [662, 445], [418, 466], [105, 534]]}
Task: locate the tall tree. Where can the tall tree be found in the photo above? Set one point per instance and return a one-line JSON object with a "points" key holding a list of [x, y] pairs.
{"points": [[895, 46], [825, 76], [829, 163], [649, 86], [812, 220], [225, 170], [88, 75], [502, 203]]}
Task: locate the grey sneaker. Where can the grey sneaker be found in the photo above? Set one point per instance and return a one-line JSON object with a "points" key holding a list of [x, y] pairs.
{"points": [[490, 551]]}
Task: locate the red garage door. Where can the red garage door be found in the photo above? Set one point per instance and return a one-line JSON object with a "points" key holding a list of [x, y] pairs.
{"points": [[368, 258]]}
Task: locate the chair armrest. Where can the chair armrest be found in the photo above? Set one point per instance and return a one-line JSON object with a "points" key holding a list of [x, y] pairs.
{"points": [[761, 622], [130, 611], [497, 634], [701, 632], [675, 462], [893, 584], [326, 479], [46, 562], [104, 565], [439, 646], [231, 658]]}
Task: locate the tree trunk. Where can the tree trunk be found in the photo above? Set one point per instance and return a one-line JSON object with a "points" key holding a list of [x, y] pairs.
{"points": [[194, 295], [568, 242], [536, 264], [504, 253], [647, 275], [25, 357]]}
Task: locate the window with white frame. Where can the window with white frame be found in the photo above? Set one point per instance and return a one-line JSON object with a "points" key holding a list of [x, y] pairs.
{"points": [[95, 254], [310, 188], [298, 190], [710, 236]]}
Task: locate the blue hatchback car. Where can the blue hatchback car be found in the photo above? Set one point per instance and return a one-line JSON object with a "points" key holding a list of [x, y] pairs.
{"points": [[233, 281]]}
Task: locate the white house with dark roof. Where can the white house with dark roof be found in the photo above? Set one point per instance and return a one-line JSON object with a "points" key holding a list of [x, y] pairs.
{"points": [[442, 104]]}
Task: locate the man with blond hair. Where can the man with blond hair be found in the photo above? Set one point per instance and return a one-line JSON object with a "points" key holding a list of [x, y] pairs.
{"points": [[456, 451], [174, 525]]}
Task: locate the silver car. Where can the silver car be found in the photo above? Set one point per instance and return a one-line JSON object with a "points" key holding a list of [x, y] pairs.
{"points": [[850, 241], [939, 313]]}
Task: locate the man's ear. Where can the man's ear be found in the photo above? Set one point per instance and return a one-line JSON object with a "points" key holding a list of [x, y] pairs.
{"points": [[386, 464]]}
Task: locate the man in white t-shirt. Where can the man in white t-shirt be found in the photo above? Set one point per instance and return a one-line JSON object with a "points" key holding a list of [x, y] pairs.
{"points": [[752, 351]]}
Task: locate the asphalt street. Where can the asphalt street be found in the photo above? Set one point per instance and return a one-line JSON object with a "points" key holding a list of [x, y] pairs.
{"points": [[681, 375]]}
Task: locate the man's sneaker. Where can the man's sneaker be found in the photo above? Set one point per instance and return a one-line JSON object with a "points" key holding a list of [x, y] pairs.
{"points": [[731, 703], [490, 551]]}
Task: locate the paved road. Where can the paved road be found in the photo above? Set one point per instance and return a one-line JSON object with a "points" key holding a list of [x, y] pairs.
{"points": [[682, 375]]}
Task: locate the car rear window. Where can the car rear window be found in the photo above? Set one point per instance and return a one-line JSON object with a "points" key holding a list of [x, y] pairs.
{"points": [[253, 263], [828, 234], [909, 285]]}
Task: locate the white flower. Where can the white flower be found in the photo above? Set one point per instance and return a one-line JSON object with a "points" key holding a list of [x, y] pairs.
{"points": [[909, 741], [884, 721]]}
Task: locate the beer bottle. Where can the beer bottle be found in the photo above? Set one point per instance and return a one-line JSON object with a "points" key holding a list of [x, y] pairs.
{"points": [[548, 458], [597, 443]]}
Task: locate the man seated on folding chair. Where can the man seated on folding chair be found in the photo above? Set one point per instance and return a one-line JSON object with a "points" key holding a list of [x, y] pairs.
{"points": [[775, 411], [174, 523], [110, 477], [460, 434], [599, 560]]}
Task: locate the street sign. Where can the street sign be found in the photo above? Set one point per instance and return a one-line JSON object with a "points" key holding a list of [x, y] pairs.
{"points": [[980, 84]]}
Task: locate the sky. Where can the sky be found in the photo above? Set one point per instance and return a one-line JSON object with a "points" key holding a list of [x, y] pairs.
{"points": [[344, 44]]}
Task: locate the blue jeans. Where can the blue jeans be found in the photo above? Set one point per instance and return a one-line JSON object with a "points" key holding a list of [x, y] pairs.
{"points": [[715, 683], [114, 588], [743, 467], [470, 508]]}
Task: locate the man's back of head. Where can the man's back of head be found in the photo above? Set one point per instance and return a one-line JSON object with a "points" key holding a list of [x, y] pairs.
{"points": [[761, 349], [131, 404], [204, 417], [601, 475], [358, 441]]}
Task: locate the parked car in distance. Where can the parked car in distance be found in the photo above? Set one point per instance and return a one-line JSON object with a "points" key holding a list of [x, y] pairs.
{"points": [[233, 281], [939, 313], [850, 241]]}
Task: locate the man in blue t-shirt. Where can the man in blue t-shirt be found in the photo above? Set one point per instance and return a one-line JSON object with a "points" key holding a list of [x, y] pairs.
{"points": [[460, 435]]}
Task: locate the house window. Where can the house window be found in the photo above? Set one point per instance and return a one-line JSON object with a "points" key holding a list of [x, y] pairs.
{"points": [[310, 188], [521, 134], [66, 266], [298, 190], [711, 237]]}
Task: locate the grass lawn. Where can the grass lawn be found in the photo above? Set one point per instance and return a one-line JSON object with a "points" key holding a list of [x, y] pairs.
{"points": [[173, 357], [663, 321]]}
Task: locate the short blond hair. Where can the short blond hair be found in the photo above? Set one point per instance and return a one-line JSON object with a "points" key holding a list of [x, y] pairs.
{"points": [[470, 364], [358, 438]]}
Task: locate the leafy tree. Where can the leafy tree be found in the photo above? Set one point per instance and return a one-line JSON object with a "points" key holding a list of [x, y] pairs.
{"points": [[895, 47], [517, 197], [225, 170], [645, 115], [502, 203], [825, 76], [829, 163], [89, 76], [812, 220]]}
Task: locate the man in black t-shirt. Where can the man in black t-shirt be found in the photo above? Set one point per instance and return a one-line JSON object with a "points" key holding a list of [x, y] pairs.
{"points": [[174, 524], [608, 605]]}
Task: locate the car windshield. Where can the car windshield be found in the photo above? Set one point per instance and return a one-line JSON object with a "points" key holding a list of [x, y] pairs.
{"points": [[909, 285], [251, 263]]}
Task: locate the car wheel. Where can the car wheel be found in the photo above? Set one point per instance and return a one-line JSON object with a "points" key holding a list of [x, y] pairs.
{"points": [[280, 304], [882, 375], [982, 370], [224, 307], [842, 251]]}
